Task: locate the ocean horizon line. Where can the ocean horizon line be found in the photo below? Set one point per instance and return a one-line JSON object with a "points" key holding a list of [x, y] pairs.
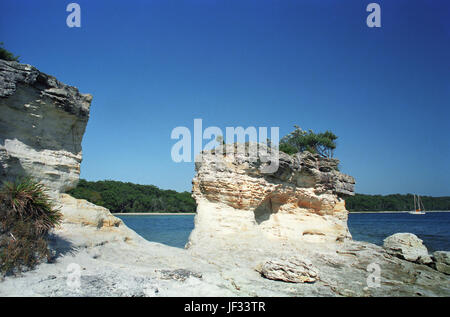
{"points": [[194, 213]]}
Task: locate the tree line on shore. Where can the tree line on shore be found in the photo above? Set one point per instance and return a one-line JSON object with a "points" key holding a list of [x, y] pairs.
{"points": [[396, 202], [123, 197], [128, 197]]}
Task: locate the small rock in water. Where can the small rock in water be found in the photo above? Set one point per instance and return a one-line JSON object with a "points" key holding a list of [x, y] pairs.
{"points": [[292, 270]]}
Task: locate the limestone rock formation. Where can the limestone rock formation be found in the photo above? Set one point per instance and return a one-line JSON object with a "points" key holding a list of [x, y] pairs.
{"points": [[42, 122], [94, 223], [442, 261], [301, 200], [407, 246]]}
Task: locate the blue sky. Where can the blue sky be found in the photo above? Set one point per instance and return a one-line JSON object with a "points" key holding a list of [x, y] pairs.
{"points": [[155, 65]]}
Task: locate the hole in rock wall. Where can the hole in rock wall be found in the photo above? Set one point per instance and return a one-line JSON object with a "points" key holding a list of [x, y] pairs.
{"points": [[263, 211], [269, 206]]}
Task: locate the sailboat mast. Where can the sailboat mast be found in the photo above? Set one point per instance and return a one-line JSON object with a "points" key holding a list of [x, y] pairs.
{"points": [[421, 205], [419, 209]]}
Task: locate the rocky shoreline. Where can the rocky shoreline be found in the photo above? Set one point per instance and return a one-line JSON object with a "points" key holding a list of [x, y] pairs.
{"points": [[114, 261], [256, 234]]}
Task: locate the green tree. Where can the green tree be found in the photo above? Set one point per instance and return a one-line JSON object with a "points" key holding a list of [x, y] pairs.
{"points": [[129, 197], [396, 202], [7, 55], [323, 143]]}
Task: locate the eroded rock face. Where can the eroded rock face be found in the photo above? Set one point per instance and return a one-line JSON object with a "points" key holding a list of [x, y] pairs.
{"points": [[94, 224], [42, 122], [301, 200]]}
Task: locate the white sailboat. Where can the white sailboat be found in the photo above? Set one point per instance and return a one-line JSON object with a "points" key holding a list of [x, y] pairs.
{"points": [[418, 206]]}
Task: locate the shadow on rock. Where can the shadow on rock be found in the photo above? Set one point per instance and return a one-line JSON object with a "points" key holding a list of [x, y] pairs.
{"points": [[59, 246]]}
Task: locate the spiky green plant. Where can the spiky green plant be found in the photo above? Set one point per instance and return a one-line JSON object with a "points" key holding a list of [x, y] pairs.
{"points": [[26, 215], [27, 200]]}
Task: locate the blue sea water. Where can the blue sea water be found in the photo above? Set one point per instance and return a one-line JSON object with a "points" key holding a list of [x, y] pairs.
{"points": [[173, 230], [433, 228]]}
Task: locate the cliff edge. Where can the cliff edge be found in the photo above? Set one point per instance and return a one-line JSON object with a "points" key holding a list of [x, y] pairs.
{"points": [[42, 122]]}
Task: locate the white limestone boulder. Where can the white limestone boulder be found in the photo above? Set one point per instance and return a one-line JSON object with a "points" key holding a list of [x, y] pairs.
{"points": [[407, 246], [293, 270]]}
